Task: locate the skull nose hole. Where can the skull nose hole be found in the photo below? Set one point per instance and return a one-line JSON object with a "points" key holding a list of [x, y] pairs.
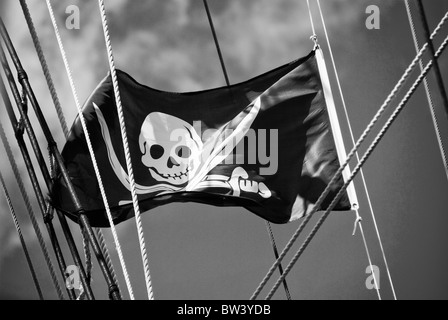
{"points": [[172, 162]]}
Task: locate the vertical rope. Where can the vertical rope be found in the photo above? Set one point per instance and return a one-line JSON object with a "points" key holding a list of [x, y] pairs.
{"points": [[141, 236], [369, 151], [427, 90], [22, 240], [369, 202], [31, 214], [366, 247], [91, 151], [311, 18]]}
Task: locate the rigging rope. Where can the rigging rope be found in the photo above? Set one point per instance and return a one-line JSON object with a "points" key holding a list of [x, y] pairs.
{"points": [[375, 119], [358, 217], [427, 90], [358, 167], [45, 69], [65, 130], [311, 20], [369, 202], [215, 38], [226, 77], [103, 247], [22, 240], [437, 73], [364, 240], [31, 214], [87, 254], [91, 151], [141, 236], [280, 267]]}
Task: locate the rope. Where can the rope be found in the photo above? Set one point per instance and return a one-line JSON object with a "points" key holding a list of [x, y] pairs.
{"points": [[428, 91], [280, 267], [215, 38], [357, 168], [324, 194], [366, 247], [437, 73], [311, 20], [22, 240], [361, 171], [87, 254], [45, 68], [92, 153], [31, 214], [141, 237], [103, 246], [88, 257]]}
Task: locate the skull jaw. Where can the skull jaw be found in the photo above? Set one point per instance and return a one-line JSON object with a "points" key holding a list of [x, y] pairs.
{"points": [[174, 179]]}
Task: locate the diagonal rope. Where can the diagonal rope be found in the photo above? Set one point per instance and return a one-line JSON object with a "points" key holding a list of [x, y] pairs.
{"points": [[31, 214], [367, 154], [280, 267], [22, 240], [45, 69], [428, 91], [226, 77], [65, 130], [437, 72], [369, 128], [369, 202], [91, 151], [138, 221]]}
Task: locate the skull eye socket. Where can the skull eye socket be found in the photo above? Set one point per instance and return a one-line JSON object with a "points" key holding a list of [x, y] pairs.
{"points": [[183, 151], [156, 151]]}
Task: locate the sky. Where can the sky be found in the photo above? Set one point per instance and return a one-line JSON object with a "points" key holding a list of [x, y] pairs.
{"points": [[204, 252]]}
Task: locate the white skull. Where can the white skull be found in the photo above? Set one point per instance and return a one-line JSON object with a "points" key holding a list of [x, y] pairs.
{"points": [[171, 148]]}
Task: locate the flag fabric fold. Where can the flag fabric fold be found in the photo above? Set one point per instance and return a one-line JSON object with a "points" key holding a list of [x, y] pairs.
{"points": [[265, 144]]}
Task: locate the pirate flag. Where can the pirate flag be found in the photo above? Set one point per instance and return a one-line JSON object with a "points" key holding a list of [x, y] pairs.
{"points": [[265, 144]]}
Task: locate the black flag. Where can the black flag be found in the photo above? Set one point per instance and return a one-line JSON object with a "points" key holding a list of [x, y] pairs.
{"points": [[265, 144]]}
